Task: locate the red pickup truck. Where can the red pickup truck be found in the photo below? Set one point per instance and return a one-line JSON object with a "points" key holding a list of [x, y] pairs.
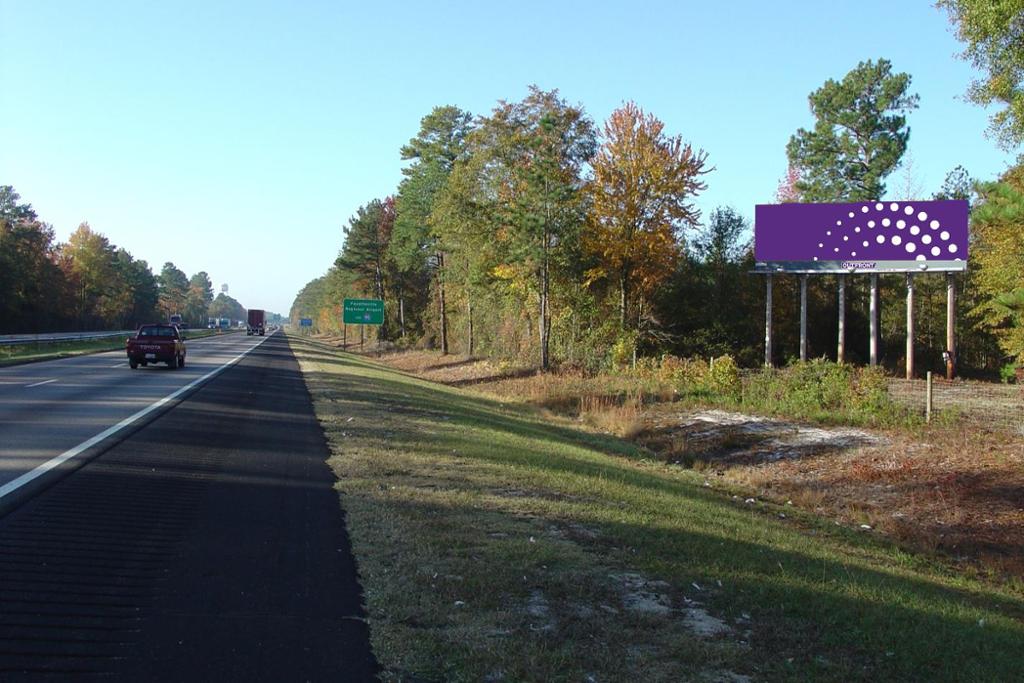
{"points": [[156, 344]]}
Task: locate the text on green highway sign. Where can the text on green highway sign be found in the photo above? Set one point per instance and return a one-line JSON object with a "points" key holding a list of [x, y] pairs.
{"points": [[363, 312]]}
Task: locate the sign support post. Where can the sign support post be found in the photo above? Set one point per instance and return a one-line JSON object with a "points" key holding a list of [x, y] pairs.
{"points": [[803, 317], [768, 323], [910, 326], [841, 350], [950, 325], [873, 315]]}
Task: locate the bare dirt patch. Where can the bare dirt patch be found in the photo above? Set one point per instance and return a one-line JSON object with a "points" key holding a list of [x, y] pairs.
{"points": [[956, 491], [723, 437]]}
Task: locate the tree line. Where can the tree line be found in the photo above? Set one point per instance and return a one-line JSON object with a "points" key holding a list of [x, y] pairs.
{"points": [[88, 283], [529, 233]]}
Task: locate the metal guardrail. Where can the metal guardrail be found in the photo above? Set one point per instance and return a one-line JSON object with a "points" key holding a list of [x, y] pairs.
{"points": [[56, 337]]}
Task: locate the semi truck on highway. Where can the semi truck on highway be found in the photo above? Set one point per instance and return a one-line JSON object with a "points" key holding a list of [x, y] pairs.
{"points": [[257, 319], [156, 344]]}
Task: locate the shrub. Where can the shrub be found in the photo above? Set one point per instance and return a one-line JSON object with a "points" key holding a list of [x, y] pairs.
{"points": [[622, 350], [686, 375], [1008, 373], [723, 377], [826, 391]]}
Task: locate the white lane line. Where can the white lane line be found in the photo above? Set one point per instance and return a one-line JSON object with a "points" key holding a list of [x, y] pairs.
{"points": [[119, 365], [39, 384], [15, 484]]}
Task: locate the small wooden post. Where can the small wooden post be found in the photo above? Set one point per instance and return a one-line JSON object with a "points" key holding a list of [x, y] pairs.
{"points": [[910, 326], [803, 317], [873, 317], [928, 398], [768, 324], [951, 325], [841, 350]]}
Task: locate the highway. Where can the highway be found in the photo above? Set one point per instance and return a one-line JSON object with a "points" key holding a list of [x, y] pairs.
{"points": [[49, 408], [203, 540]]}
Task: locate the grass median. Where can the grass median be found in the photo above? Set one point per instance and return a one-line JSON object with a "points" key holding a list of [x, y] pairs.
{"points": [[498, 543]]}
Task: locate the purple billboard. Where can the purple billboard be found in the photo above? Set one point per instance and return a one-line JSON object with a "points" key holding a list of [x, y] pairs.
{"points": [[862, 236]]}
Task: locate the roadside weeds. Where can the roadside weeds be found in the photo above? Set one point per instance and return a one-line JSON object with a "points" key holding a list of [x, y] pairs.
{"points": [[496, 543]]}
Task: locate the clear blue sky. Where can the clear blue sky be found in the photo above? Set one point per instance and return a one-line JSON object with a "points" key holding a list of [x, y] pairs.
{"points": [[238, 138]]}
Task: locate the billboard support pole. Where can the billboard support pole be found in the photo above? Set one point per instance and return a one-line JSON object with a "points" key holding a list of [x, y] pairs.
{"points": [[841, 347], [873, 318], [910, 326], [950, 325], [803, 317], [344, 336], [768, 323]]}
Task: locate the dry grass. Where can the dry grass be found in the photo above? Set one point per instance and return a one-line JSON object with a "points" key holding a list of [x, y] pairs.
{"points": [[938, 491], [495, 543], [953, 490], [621, 418]]}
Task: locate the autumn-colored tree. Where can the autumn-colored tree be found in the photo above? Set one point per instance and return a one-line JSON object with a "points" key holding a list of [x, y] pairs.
{"points": [[91, 261], [641, 200], [787, 191]]}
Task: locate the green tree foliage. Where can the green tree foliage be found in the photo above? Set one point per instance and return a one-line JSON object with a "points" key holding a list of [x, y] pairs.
{"points": [[172, 286], [414, 250], [534, 152], [198, 299], [10, 209], [994, 33], [711, 305], [860, 135], [225, 306], [957, 185], [31, 283], [139, 280], [490, 241], [998, 253]]}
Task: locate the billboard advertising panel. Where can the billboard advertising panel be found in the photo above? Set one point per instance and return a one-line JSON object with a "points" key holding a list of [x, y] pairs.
{"points": [[890, 236]]}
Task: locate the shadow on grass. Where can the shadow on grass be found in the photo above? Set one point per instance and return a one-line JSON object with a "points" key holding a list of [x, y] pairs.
{"points": [[840, 606], [812, 619]]}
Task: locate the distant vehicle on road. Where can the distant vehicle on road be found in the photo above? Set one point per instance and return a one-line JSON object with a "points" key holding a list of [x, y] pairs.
{"points": [[257, 320], [175, 319], [156, 344]]}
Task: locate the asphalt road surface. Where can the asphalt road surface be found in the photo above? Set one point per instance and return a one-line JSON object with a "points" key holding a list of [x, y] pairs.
{"points": [[207, 545], [48, 409]]}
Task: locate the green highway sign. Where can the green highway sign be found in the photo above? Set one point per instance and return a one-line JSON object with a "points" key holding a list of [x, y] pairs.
{"points": [[363, 312]]}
